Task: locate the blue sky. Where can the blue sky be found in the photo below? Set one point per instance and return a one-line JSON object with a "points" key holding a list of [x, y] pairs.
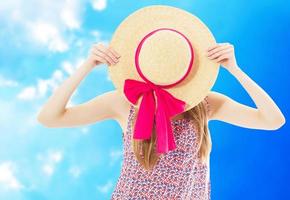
{"points": [[43, 42]]}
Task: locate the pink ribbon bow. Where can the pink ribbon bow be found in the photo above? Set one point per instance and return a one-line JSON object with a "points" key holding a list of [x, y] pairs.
{"points": [[167, 106]]}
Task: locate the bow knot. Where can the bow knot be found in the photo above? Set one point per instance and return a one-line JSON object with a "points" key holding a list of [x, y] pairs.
{"points": [[167, 107]]}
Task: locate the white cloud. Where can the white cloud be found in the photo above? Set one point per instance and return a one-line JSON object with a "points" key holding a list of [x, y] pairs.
{"points": [[23, 116], [85, 130], [41, 89], [50, 159], [115, 155], [99, 4], [7, 82], [44, 22], [68, 67], [55, 157], [74, 171], [28, 93], [70, 14], [98, 37], [43, 86], [48, 169], [106, 187], [7, 177], [96, 34], [49, 35]]}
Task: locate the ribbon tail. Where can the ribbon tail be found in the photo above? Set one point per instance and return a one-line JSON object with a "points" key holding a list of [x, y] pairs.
{"points": [[145, 119], [168, 106], [165, 138]]}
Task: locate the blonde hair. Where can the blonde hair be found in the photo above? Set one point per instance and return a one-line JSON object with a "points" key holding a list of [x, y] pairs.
{"points": [[144, 150]]}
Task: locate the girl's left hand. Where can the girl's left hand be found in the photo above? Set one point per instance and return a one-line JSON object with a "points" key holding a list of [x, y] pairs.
{"points": [[224, 54]]}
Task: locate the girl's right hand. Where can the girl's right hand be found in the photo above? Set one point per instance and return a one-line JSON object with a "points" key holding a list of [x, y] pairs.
{"points": [[99, 53]]}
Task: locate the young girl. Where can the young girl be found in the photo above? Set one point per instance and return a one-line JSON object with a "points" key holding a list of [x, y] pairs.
{"points": [[181, 174]]}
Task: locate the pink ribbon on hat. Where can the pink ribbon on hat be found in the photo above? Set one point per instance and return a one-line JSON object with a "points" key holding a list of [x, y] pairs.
{"points": [[167, 104]]}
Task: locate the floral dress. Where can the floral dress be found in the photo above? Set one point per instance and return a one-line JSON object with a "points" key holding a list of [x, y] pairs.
{"points": [[177, 175]]}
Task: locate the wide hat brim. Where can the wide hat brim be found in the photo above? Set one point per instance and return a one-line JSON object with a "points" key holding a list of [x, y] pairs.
{"points": [[198, 83]]}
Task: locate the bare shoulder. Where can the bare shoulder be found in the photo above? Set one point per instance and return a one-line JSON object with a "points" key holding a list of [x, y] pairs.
{"points": [[214, 96]]}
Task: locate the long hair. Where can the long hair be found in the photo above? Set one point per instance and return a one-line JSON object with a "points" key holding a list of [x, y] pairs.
{"points": [[144, 150]]}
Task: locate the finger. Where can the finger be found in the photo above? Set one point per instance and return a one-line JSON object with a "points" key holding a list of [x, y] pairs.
{"points": [[217, 45], [220, 53], [114, 52], [107, 51], [225, 56], [103, 60], [103, 55], [99, 55], [112, 55], [104, 52], [211, 52], [212, 47]]}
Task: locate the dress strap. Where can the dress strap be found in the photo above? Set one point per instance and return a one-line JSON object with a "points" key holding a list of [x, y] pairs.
{"points": [[132, 111], [130, 119]]}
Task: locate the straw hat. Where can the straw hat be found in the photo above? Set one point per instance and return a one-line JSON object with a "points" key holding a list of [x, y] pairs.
{"points": [[163, 69]]}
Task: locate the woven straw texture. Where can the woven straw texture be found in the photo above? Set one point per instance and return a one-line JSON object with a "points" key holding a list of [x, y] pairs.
{"points": [[165, 55]]}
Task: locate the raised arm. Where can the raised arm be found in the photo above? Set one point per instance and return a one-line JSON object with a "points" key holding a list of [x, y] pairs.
{"points": [[266, 116], [55, 112]]}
